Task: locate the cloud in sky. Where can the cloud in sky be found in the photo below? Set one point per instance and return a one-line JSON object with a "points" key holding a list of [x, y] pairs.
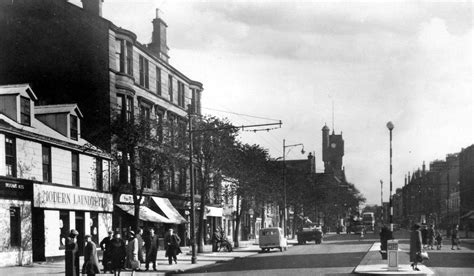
{"points": [[409, 62]]}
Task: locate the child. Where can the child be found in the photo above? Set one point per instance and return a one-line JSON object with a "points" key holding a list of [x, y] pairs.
{"points": [[439, 240]]}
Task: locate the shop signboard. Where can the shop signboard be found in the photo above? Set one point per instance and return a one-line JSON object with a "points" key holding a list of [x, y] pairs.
{"points": [[57, 197], [16, 189]]}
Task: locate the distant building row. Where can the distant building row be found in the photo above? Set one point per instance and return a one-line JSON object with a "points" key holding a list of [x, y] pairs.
{"points": [[441, 195]]}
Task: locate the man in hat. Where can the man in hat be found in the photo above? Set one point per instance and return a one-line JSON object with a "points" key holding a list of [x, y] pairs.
{"points": [[151, 246], [105, 246], [72, 254], [91, 262]]}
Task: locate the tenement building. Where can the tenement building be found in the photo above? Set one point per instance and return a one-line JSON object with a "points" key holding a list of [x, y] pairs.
{"points": [[51, 179], [71, 54]]}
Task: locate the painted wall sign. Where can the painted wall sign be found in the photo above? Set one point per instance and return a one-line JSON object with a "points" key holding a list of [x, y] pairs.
{"points": [[46, 196]]}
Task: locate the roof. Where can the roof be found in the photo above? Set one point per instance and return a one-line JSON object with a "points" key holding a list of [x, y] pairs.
{"points": [[58, 108], [23, 89]]}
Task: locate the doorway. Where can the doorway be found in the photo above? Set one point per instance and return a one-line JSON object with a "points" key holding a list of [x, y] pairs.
{"points": [[38, 235], [81, 229]]}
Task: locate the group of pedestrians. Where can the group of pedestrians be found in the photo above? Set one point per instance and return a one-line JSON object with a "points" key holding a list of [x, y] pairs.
{"points": [[118, 253]]}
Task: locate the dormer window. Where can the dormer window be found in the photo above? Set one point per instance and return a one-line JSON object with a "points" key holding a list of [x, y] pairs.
{"points": [[73, 127], [25, 111]]}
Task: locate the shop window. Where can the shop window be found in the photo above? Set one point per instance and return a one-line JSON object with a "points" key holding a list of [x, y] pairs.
{"points": [[73, 128], [63, 228], [15, 226], [10, 156], [46, 163], [99, 174], [75, 169]]}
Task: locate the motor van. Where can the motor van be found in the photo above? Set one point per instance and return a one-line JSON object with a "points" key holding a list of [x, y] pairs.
{"points": [[272, 238]]}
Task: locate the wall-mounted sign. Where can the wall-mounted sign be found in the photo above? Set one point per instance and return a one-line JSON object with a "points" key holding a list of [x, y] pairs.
{"points": [[16, 189], [127, 198], [55, 197]]}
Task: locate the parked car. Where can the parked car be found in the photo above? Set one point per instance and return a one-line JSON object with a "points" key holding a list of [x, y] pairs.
{"points": [[311, 233], [273, 237]]}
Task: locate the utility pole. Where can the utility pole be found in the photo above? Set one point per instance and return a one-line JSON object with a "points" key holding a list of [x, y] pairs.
{"points": [[381, 201], [191, 180]]}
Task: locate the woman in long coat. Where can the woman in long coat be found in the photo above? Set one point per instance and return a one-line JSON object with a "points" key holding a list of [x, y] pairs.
{"points": [[132, 253], [91, 262], [415, 246], [72, 254], [117, 254]]}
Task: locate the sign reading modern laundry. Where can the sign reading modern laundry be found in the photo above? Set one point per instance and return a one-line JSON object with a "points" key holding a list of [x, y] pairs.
{"points": [[46, 196]]}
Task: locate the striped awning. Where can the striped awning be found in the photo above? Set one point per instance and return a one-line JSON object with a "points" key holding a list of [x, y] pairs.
{"points": [[168, 209], [146, 214]]}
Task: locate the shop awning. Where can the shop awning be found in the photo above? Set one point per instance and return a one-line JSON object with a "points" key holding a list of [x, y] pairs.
{"points": [[213, 211], [168, 209], [468, 215], [146, 214]]}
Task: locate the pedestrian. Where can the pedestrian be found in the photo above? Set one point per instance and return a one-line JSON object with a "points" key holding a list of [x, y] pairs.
{"points": [[141, 244], [172, 242], [72, 254], [424, 235], [430, 237], [105, 246], [117, 254], [151, 246], [91, 262], [439, 239], [415, 246], [215, 240], [455, 237], [132, 252]]}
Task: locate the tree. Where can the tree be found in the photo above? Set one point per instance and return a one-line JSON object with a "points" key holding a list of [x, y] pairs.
{"points": [[214, 140], [143, 150]]}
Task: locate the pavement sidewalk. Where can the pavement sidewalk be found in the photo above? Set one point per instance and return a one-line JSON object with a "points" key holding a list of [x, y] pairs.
{"points": [[372, 263], [207, 258]]}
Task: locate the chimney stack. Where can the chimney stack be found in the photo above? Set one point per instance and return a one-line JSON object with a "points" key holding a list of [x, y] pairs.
{"points": [[93, 6], [158, 43], [424, 168]]}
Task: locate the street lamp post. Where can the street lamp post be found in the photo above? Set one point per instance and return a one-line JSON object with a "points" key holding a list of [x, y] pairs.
{"points": [[284, 183], [390, 127], [191, 180]]}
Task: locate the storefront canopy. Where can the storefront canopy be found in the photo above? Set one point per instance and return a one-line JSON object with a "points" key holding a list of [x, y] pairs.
{"points": [[146, 214], [468, 215], [168, 209]]}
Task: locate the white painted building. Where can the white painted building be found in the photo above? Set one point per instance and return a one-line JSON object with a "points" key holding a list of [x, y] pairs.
{"points": [[51, 180]]}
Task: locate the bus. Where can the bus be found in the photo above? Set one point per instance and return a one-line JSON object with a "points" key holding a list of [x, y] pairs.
{"points": [[368, 219]]}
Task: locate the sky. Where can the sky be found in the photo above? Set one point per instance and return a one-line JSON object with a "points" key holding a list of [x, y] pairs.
{"points": [[409, 62]]}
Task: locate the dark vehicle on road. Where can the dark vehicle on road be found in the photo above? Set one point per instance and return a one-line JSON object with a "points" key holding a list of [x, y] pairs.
{"points": [[310, 233]]}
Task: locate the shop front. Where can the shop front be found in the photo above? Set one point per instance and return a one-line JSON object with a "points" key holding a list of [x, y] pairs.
{"points": [[15, 222], [58, 209]]}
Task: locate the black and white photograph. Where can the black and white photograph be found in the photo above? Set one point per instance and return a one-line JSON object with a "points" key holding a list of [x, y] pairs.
{"points": [[236, 137]]}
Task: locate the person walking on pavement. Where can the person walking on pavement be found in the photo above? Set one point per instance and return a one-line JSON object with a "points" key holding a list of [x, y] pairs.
{"points": [[172, 242], [140, 241], [431, 237], [415, 246], [439, 239], [117, 254], [455, 237], [151, 246], [91, 262], [132, 253], [72, 254], [105, 246], [424, 235]]}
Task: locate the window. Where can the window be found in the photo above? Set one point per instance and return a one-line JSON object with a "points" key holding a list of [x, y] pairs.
{"points": [[193, 100], [63, 228], [10, 156], [158, 81], [145, 116], [180, 94], [181, 133], [172, 128], [159, 130], [73, 127], [124, 56], [25, 111], [145, 112], [170, 87], [145, 163], [125, 107], [15, 226], [75, 169], [172, 180], [144, 79], [99, 177], [182, 180], [46, 163]]}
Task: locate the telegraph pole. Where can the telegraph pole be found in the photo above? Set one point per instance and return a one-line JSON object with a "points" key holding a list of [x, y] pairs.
{"points": [[191, 180]]}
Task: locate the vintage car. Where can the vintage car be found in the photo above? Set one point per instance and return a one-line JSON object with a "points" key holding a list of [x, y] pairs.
{"points": [[272, 238]]}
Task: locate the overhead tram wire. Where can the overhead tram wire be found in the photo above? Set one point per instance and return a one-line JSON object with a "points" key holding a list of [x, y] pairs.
{"points": [[240, 114]]}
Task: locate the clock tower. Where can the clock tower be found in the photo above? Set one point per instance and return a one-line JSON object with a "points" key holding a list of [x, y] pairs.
{"points": [[333, 151]]}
